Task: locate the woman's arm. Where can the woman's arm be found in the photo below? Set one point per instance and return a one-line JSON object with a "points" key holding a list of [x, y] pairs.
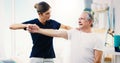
{"points": [[65, 27], [18, 26]]}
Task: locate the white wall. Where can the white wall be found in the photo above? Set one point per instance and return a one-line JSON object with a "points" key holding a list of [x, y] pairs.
{"points": [[5, 38], [1, 37], [117, 16]]}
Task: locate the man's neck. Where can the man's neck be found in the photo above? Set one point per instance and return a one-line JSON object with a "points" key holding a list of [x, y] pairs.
{"points": [[86, 30]]}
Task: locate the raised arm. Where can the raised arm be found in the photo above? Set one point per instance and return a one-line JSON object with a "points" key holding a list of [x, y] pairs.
{"points": [[65, 27], [18, 26], [98, 56], [49, 32]]}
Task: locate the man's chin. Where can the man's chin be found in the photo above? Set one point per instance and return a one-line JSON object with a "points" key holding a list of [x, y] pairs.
{"points": [[80, 26]]}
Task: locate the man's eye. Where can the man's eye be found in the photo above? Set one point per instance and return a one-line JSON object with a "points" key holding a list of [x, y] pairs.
{"points": [[82, 18]]}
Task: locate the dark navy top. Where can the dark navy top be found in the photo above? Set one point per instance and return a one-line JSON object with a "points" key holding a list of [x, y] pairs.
{"points": [[43, 45]]}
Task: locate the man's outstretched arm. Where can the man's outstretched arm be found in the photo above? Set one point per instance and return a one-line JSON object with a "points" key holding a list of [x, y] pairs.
{"points": [[49, 32]]}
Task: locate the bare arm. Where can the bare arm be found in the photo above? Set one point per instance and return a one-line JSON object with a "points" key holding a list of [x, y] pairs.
{"points": [[65, 27], [98, 56], [18, 26], [49, 32]]}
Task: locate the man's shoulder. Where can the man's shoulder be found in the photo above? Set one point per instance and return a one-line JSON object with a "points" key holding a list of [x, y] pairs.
{"points": [[72, 31]]}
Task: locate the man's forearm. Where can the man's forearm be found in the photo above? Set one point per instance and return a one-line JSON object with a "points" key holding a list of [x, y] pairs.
{"points": [[49, 32], [53, 33]]}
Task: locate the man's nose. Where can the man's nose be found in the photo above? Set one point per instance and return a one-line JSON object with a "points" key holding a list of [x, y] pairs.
{"points": [[79, 21]]}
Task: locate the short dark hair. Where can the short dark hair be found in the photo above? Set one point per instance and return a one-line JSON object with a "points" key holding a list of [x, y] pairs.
{"points": [[42, 7]]}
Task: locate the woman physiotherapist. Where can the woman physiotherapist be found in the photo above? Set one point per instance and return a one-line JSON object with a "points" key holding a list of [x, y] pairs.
{"points": [[42, 50]]}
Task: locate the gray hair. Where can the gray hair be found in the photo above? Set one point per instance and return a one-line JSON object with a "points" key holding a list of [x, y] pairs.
{"points": [[89, 16]]}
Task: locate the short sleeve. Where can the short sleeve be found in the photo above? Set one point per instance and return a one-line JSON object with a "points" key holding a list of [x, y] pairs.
{"points": [[69, 32], [100, 43], [29, 22], [55, 24]]}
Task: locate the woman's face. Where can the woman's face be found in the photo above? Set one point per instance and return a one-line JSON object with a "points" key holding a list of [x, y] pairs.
{"points": [[45, 15]]}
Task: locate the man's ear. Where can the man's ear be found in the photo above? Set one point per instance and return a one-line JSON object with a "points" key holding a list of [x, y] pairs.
{"points": [[91, 22]]}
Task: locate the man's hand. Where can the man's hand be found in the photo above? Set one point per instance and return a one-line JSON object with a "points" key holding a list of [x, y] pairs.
{"points": [[33, 28]]}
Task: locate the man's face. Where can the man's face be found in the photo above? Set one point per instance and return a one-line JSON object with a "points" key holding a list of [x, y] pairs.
{"points": [[83, 21]]}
